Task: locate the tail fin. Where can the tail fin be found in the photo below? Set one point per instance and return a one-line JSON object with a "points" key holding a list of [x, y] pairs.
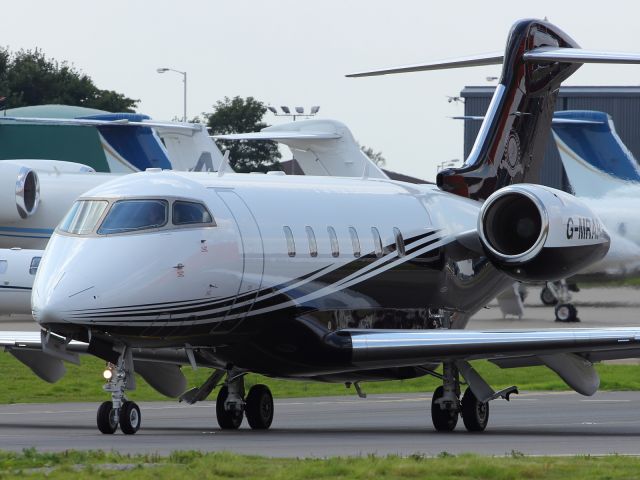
{"points": [[511, 142], [593, 155], [321, 147]]}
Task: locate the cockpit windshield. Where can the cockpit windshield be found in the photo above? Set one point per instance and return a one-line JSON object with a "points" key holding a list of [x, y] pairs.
{"points": [[131, 215], [83, 216]]}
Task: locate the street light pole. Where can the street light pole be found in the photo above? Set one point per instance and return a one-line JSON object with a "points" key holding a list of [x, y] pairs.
{"points": [[184, 81]]}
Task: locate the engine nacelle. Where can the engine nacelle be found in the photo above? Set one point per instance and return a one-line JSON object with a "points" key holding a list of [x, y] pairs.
{"points": [[536, 233], [19, 192]]}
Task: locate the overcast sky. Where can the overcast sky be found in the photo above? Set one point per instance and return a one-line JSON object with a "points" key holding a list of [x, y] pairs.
{"points": [[296, 52]]}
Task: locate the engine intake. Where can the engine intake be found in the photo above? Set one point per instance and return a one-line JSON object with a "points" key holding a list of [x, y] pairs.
{"points": [[538, 233], [19, 192]]}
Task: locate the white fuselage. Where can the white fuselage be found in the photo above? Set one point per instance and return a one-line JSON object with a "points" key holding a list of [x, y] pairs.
{"points": [[246, 265]]}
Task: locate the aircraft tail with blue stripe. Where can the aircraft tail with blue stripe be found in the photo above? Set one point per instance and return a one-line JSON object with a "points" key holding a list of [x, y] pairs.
{"points": [[596, 160]]}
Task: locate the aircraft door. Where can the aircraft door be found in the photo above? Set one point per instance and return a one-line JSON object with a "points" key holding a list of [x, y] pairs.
{"points": [[252, 250]]}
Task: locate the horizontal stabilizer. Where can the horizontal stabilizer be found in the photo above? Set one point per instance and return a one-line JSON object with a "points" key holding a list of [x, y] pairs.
{"points": [[282, 135], [87, 122], [537, 55], [461, 62], [578, 55]]}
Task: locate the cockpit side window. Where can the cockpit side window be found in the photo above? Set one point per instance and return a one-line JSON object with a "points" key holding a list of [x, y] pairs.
{"points": [[186, 213], [83, 216], [131, 215]]}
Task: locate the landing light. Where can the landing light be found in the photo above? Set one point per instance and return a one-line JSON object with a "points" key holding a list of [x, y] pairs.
{"points": [[107, 374]]}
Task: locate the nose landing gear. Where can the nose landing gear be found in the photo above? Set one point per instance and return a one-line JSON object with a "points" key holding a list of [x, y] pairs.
{"points": [[119, 411]]}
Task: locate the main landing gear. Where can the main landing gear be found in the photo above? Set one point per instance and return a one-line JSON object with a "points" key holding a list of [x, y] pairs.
{"points": [[446, 406], [559, 294], [232, 405], [119, 411]]}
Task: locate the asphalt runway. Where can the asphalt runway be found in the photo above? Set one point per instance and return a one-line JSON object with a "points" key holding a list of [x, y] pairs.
{"points": [[532, 423]]}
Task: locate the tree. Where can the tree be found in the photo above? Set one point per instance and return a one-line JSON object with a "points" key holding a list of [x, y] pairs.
{"points": [[28, 77], [240, 115], [376, 157]]}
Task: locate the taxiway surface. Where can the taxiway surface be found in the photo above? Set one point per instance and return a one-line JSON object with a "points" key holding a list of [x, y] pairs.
{"points": [[532, 423]]}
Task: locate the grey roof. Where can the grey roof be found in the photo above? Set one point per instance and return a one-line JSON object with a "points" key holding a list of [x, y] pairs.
{"points": [[53, 111]]}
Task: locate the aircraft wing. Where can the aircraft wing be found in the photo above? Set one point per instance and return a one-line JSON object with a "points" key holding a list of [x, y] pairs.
{"points": [[159, 367], [570, 353], [414, 347]]}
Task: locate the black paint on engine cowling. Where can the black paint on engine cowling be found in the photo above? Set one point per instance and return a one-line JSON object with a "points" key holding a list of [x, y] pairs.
{"points": [[554, 263]]}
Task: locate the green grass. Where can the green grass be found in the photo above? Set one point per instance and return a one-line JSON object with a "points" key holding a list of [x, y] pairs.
{"points": [[93, 465], [84, 383]]}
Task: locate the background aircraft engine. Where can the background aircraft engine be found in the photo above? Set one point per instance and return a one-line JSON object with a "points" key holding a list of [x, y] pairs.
{"points": [[532, 232], [19, 192]]}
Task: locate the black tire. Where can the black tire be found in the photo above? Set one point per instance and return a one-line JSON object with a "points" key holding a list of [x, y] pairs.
{"points": [[226, 420], [259, 407], [443, 420], [566, 312], [107, 418], [130, 418], [547, 297], [475, 414]]}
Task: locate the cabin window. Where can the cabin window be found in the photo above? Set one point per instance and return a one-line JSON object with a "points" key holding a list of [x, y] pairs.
{"points": [[355, 242], [399, 242], [132, 215], [187, 213], [377, 242], [83, 216], [35, 263], [3, 266], [313, 245], [291, 245], [333, 239]]}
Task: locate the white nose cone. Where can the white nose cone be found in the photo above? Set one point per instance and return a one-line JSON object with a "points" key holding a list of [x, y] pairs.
{"points": [[61, 284]]}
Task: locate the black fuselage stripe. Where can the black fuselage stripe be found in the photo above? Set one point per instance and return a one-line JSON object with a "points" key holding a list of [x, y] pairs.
{"points": [[343, 272]]}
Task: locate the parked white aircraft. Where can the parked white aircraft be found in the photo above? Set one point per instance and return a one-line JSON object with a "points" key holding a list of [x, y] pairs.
{"points": [[332, 279], [17, 270]]}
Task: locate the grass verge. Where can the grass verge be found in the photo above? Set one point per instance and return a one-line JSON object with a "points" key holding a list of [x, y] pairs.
{"points": [[92, 465], [84, 383]]}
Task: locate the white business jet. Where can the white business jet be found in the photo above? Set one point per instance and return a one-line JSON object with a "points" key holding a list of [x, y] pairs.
{"points": [[331, 279]]}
